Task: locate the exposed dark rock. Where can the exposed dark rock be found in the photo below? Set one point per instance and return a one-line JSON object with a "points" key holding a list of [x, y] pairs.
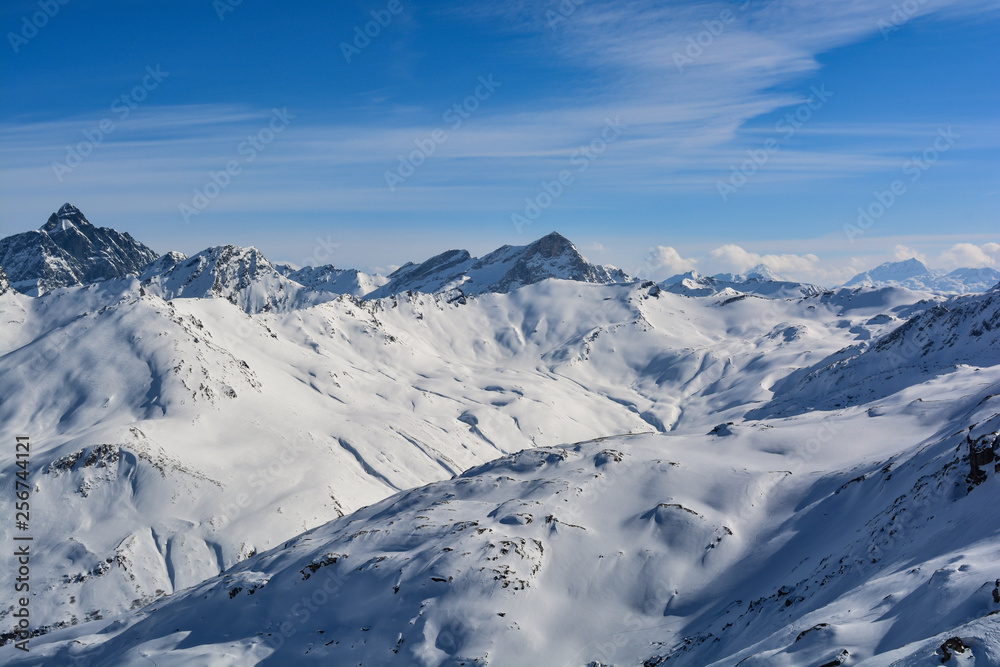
{"points": [[68, 251], [951, 646]]}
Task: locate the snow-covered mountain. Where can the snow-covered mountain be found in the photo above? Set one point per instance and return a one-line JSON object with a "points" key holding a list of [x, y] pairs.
{"points": [[502, 270], [68, 250], [242, 276], [240, 468], [190, 399], [760, 273], [760, 281], [4, 282], [913, 274], [962, 331], [328, 278], [751, 545], [162, 264]]}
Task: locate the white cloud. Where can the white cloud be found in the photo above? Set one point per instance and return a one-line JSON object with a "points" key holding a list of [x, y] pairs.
{"points": [[671, 260], [902, 253], [969, 255], [384, 270], [737, 259]]}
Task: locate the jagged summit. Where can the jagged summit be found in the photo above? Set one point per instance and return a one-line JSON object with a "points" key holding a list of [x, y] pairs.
{"points": [[503, 270], [67, 251], [243, 276], [68, 216]]}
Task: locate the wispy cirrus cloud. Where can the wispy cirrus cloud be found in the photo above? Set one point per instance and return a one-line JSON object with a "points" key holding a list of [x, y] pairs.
{"points": [[687, 122]]}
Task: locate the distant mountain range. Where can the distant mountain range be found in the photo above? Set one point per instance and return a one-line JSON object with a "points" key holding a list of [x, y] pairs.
{"points": [[69, 251], [759, 280], [913, 274]]}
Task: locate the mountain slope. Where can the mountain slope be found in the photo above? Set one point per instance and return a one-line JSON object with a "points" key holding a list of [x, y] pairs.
{"points": [[356, 399], [176, 436], [502, 270], [747, 547], [68, 250], [964, 330]]}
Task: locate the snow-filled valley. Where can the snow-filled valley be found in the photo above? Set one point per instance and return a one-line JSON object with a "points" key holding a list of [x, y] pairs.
{"points": [[555, 465]]}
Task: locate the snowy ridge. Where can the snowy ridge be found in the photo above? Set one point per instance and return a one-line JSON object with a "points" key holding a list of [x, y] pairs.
{"points": [[913, 274], [502, 270], [67, 251], [4, 282], [242, 276], [328, 278], [162, 264], [760, 281], [964, 330]]}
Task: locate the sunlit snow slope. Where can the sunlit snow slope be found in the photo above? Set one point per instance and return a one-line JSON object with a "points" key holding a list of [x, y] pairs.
{"points": [[786, 476], [829, 539]]}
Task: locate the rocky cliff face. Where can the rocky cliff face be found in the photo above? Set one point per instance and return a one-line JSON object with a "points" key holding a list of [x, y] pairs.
{"points": [[67, 251]]}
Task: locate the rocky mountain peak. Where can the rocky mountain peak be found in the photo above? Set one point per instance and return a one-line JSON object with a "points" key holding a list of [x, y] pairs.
{"points": [[69, 251], [504, 269], [551, 245], [242, 276], [67, 217]]}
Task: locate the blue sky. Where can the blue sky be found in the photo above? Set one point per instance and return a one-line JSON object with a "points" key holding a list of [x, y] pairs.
{"points": [[706, 135]]}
